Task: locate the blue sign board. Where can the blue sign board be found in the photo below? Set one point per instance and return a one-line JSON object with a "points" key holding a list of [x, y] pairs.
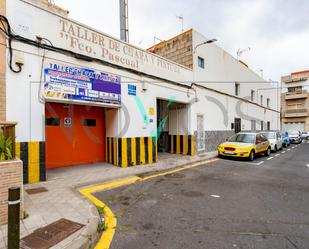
{"points": [[74, 83], [132, 90]]}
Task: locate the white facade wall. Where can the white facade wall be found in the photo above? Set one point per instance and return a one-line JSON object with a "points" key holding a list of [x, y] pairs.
{"points": [[222, 71]]}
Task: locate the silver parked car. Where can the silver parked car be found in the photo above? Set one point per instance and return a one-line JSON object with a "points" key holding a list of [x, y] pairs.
{"points": [[295, 137], [274, 139], [305, 135]]}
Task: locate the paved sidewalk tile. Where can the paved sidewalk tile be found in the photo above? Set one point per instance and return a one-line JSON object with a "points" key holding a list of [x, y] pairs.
{"points": [[62, 200]]}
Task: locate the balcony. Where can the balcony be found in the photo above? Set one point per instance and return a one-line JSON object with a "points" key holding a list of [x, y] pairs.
{"points": [[304, 112], [296, 95]]}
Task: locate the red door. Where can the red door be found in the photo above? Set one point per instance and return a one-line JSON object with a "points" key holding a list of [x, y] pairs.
{"points": [[75, 134]]}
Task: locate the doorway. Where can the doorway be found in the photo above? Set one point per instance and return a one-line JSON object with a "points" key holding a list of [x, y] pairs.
{"points": [[200, 132], [75, 134], [237, 125]]}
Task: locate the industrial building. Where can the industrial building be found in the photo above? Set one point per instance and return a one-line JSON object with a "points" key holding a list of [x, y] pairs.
{"points": [[81, 96], [295, 101]]}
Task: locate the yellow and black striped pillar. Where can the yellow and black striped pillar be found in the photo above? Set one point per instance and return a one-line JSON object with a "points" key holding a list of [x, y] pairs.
{"points": [[32, 155], [111, 150], [136, 151], [181, 144]]}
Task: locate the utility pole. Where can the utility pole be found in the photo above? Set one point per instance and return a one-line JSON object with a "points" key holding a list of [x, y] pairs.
{"points": [[124, 20], [181, 19]]}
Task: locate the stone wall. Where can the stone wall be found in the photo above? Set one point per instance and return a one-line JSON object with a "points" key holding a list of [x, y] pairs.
{"points": [[213, 139], [10, 176]]}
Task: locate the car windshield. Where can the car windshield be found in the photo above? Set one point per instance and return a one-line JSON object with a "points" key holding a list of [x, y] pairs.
{"points": [[243, 138], [269, 135]]}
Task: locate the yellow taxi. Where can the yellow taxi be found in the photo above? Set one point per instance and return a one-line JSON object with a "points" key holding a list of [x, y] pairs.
{"points": [[245, 145]]}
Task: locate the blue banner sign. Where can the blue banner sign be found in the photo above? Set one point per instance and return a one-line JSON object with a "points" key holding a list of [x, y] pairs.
{"points": [[73, 83]]}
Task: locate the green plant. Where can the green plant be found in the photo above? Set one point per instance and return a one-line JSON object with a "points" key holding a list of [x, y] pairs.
{"points": [[26, 215], [122, 228], [100, 210], [101, 227], [5, 147]]}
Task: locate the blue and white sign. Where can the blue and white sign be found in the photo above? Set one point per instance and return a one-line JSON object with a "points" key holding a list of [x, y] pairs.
{"points": [[132, 90], [73, 83]]}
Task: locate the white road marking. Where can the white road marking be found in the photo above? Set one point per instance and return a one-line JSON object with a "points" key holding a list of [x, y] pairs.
{"points": [[215, 196], [282, 152], [277, 155], [260, 163], [270, 158], [288, 149], [307, 165], [293, 147]]}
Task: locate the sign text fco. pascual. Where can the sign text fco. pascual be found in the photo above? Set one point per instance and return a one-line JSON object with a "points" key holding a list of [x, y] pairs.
{"points": [[94, 44]]}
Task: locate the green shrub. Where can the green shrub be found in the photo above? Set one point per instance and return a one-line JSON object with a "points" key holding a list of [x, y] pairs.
{"points": [[5, 147]]}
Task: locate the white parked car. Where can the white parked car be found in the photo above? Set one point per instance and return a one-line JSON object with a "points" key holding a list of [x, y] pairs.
{"points": [[295, 137], [305, 135], [274, 139]]}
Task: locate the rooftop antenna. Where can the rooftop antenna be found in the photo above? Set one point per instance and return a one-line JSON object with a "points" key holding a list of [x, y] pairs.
{"points": [[241, 51], [124, 20], [180, 17]]}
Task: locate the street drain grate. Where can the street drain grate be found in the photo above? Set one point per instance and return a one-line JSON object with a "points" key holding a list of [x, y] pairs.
{"points": [[32, 191], [48, 236]]}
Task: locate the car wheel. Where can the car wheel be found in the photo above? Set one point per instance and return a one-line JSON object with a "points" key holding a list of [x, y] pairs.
{"points": [[267, 152], [276, 149], [251, 155], [307, 138]]}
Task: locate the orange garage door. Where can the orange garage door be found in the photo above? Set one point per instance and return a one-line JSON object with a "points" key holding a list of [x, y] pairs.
{"points": [[75, 134]]}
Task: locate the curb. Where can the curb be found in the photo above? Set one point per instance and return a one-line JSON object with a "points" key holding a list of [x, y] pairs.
{"points": [[89, 235]]}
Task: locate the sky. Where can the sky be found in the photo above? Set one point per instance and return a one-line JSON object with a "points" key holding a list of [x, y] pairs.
{"points": [[277, 31]]}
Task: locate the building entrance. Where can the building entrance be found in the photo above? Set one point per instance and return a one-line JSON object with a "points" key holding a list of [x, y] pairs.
{"points": [[75, 134]]}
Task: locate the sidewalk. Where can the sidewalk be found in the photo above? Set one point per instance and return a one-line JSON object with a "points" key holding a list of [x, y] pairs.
{"points": [[62, 200]]}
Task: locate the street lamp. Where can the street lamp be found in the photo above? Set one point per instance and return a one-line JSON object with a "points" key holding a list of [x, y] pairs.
{"points": [[205, 42]]}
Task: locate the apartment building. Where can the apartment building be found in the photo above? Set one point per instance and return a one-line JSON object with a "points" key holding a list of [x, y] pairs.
{"points": [[295, 101]]}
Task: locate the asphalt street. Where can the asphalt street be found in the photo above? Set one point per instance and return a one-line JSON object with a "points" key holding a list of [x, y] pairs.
{"points": [[225, 204]]}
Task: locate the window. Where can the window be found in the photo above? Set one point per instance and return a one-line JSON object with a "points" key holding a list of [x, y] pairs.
{"points": [[237, 88], [52, 121], [262, 125], [253, 125], [296, 89], [268, 102], [261, 99], [243, 138], [201, 62], [268, 125], [252, 95], [90, 122]]}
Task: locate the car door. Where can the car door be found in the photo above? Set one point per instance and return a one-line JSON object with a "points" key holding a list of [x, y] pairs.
{"points": [[259, 143], [264, 143]]}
